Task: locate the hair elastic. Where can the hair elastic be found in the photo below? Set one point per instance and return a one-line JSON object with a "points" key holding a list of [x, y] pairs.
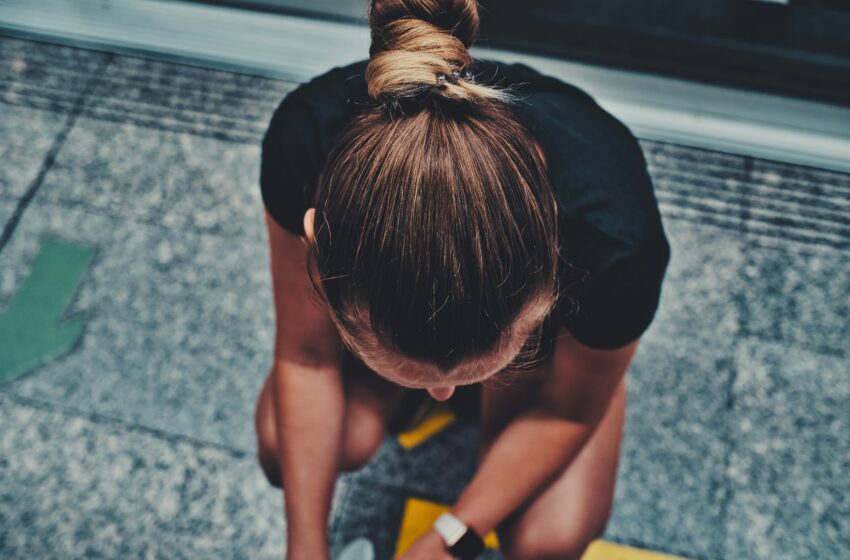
{"points": [[456, 75]]}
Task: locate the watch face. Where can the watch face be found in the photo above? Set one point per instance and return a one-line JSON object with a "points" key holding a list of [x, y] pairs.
{"points": [[450, 528]]}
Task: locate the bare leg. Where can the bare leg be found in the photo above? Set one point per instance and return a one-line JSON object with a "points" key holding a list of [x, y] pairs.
{"points": [[370, 403], [566, 516]]}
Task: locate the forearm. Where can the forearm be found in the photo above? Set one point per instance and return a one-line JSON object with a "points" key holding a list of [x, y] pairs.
{"points": [[527, 454], [310, 408]]}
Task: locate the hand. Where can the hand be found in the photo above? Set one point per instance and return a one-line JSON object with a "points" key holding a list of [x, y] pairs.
{"points": [[429, 546]]}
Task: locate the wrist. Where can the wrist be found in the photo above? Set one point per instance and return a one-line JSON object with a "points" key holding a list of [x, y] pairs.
{"points": [[306, 535], [308, 547], [460, 539], [470, 517], [307, 553]]}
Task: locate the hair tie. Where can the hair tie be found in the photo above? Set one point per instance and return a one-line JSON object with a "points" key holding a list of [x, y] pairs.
{"points": [[455, 76]]}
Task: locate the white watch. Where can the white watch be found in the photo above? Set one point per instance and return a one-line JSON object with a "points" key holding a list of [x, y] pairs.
{"points": [[450, 528]]}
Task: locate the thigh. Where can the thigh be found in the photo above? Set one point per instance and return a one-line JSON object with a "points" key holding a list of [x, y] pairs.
{"points": [[502, 401], [369, 393], [370, 401], [571, 511]]}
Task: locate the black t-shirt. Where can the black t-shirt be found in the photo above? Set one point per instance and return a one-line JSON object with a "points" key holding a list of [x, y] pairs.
{"points": [[611, 232]]}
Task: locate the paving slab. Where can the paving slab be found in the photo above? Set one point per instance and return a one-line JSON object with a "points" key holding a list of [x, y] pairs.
{"points": [[438, 468], [46, 76], [7, 208], [374, 512], [670, 489], [702, 290], [800, 207], [77, 486], [371, 511], [798, 295], [176, 180], [770, 203], [188, 99], [790, 455], [28, 134], [179, 325], [702, 186], [819, 182]]}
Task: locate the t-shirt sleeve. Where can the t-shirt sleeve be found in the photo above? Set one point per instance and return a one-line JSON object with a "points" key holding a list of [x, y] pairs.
{"points": [[285, 164], [610, 222], [617, 302]]}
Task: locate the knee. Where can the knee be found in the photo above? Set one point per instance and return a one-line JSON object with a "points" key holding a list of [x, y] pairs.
{"points": [[267, 449], [271, 469], [560, 550], [364, 436], [552, 544]]}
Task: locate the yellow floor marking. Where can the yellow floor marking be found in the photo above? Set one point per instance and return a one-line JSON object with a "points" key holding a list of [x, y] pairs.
{"points": [[439, 417], [604, 550], [419, 517]]}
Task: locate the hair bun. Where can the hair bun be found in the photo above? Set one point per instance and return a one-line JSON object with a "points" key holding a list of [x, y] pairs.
{"points": [[421, 46], [456, 17]]}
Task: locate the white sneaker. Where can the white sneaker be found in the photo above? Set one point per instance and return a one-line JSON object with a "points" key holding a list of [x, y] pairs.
{"points": [[358, 549]]}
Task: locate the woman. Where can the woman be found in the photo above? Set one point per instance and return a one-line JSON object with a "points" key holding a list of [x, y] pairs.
{"points": [[438, 222]]}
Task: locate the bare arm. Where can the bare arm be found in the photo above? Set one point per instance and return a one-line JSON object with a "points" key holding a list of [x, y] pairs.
{"points": [[309, 405], [308, 397], [568, 406]]}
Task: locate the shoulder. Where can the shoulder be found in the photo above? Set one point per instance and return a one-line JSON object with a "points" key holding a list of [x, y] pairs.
{"points": [[614, 247], [340, 84], [301, 132], [321, 101], [595, 164]]}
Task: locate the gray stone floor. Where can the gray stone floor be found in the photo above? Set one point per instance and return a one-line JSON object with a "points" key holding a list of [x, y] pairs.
{"points": [[140, 443]]}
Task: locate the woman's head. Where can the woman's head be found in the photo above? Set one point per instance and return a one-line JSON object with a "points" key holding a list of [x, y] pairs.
{"points": [[432, 237]]}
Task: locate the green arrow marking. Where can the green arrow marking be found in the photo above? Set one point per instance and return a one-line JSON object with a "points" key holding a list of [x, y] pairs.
{"points": [[29, 329]]}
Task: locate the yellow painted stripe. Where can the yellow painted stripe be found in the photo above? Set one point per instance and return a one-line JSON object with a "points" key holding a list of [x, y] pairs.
{"points": [[419, 516], [439, 417], [604, 550]]}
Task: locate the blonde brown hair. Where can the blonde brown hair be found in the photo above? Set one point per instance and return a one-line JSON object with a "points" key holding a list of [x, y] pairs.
{"points": [[435, 225]]}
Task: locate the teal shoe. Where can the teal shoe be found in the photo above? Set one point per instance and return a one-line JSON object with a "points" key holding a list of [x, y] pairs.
{"points": [[358, 549]]}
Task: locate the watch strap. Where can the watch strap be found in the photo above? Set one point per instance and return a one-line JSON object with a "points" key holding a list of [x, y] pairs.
{"points": [[461, 541], [469, 546]]}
